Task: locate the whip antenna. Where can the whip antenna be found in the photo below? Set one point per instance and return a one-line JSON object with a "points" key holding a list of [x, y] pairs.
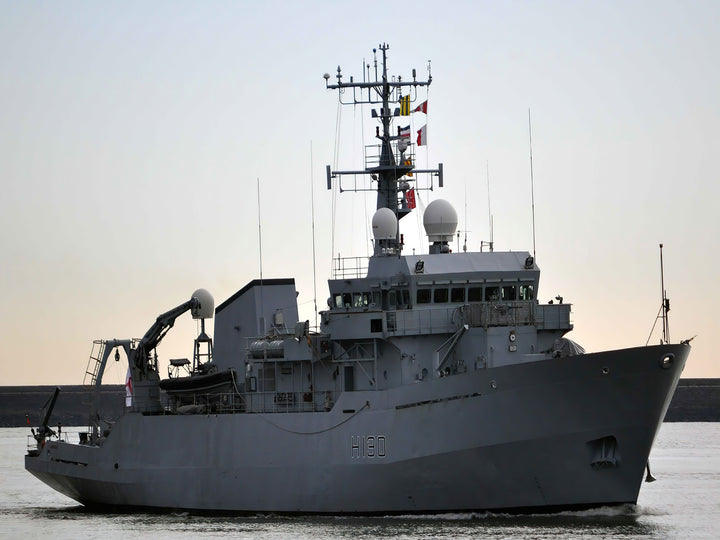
{"points": [[262, 307], [532, 184], [312, 211]]}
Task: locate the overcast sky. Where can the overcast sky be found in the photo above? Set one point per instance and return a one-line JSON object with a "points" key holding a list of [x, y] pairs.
{"points": [[133, 135]]}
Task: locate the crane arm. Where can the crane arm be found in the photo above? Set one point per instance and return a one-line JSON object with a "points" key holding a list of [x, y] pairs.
{"points": [[157, 331]]}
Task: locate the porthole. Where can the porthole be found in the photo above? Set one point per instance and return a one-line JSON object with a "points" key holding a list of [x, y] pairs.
{"points": [[605, 370], [667, 361]]}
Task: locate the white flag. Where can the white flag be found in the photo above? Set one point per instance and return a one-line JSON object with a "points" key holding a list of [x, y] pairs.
{"points": [[422, 136], [128, 389]]}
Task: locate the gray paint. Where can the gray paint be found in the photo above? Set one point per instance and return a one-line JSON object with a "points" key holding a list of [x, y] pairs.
{"points": [[522, 443], [412, 406]]}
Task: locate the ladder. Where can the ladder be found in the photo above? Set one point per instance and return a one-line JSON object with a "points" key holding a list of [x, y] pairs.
{"points": [[94, 363]]}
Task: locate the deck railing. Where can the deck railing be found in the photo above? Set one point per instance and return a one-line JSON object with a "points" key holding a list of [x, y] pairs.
{"points": [[249, 402], [349, 267]]}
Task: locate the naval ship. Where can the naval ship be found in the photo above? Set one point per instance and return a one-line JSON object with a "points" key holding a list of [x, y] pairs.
{"points": [[435, 382]]}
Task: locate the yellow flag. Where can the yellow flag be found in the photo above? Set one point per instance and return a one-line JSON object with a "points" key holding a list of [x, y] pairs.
{"points": [[405, 106]]}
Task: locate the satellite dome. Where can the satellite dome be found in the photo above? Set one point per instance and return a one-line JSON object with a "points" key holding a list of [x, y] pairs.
{"points": [[206, 308], [384, 224], [440, 220]]}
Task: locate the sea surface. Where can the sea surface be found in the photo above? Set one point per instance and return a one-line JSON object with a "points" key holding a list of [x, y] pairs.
{"points": [[684, 503]]}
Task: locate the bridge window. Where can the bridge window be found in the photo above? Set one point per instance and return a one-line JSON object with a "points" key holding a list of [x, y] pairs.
{"points": [[526, 292], [475, 294], [492, 294], [423, 296], [440, 296], [508, 293], [457, 294]]}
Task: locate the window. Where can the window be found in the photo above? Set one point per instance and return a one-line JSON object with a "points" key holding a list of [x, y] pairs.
{"points": [[508, 293], [475, 294], [440, 296], [347, 300], [423, 296], [375, 325], [526, 292], [457, 294], [359, 300], [492, 294]]}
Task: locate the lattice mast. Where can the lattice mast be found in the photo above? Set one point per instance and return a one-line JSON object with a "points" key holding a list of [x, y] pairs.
{"points": [[392, 164]]}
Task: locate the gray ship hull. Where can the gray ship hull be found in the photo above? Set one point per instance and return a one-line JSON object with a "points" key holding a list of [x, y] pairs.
{"points": [[556, 433]]}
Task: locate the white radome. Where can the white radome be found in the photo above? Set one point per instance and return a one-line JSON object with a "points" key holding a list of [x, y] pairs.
{"points": [[206, 309], [440, 221], [384, 224]]}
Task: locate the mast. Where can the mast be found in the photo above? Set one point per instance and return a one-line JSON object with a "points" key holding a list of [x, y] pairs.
{"points": [[387, 170], [665, 306], [394, 159]]}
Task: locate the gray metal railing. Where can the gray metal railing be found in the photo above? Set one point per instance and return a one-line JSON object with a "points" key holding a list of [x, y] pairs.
{"points": [[478, 314], [250, 402], [349, 267]]}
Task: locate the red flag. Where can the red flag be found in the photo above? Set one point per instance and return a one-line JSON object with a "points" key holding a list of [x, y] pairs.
{"points": [[128, 389], [421, 108], [410, 198], [422, 136]]}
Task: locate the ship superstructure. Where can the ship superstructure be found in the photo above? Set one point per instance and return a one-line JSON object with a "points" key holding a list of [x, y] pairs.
{"points": [[436, 382]]}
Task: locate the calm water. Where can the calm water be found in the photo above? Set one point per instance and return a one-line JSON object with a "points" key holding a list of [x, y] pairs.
{"points": [[683, 503]]}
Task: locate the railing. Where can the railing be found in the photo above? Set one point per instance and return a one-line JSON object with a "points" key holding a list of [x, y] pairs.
{"points": [[424, 321], [499, 314], [433, 320], [373, 153], [32, 444], [349, 267], [249, 402], [553, 316]]}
